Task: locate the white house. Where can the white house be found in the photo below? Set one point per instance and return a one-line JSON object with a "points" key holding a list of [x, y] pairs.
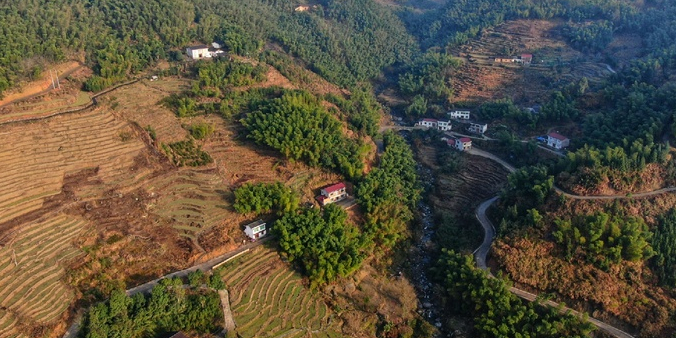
{"points": [[478, 128], [332, 194], [255, 230], [444, 125], [459, 114], [557, 141], [460, 144], [429, 123], [198, 52]]}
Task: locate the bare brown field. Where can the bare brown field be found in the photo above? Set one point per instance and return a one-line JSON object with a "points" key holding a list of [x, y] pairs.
{"points": [[480, 78]]}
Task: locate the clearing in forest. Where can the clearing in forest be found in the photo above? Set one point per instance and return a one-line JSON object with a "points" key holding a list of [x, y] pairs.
{"points": [[555, 63]]}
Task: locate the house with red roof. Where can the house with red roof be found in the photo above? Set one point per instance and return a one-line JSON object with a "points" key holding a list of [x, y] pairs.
{"points": [[526, 58], [332, 194], [460, 144], [557, 141]]}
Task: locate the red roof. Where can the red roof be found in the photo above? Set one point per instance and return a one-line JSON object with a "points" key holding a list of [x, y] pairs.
{"points": [[320, 199], [450, 142], [465, 140], [429, 120], [557, 136], [334, 187], [524, 56]]}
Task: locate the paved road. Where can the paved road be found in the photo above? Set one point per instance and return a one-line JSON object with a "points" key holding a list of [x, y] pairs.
{"points": [[489, 233], [481, 252]]}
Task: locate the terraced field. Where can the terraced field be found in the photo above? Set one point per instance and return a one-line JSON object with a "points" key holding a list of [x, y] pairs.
{"points": [[192, 199], [31, 273], [36, 161], [475, 180], [268, 299], [554, 61]]}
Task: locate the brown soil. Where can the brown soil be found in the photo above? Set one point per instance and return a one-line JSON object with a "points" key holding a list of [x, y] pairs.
{"points": [[35, 87], [480, 78]]}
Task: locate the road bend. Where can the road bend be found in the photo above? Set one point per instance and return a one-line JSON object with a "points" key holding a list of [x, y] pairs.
{"points": [[481, 253]]}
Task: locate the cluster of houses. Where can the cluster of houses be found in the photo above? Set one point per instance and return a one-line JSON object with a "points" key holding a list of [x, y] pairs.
{"points": [[525, 59], [330, 194], [445, 125], [203, 51]]}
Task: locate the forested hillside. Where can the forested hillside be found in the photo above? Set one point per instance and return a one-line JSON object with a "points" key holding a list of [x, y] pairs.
{"points": [[120, 38]]}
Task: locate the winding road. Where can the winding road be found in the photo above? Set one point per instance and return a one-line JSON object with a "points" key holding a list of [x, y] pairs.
{"points": [[481, 252]]}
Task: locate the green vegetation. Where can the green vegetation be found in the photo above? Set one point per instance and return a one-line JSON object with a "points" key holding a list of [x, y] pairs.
{"points": [[187, 153], [201, 131], [301, 129], [168, 308], [322, 244], [264, 198], [389, 193], [361, 108], [664, 243], [528, 187], [219, 75], [495, 311], [603, 239]]}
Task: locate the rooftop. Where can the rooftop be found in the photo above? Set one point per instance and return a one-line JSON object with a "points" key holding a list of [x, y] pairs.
{"points": [[557, 136], [429, 120], [465, 140], [255, 224], [334, 187], [199, 47]]}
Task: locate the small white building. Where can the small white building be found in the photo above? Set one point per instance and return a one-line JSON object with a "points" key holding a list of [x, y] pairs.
{"points": [[477, 128], [331, 194], [198, 52], [459, 114], [557, 141], [256, 230], [460, 144]]}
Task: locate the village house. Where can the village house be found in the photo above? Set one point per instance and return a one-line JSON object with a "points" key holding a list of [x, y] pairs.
{"points": [[198, 52], [459, 114], [460, 144], [302, 8], [332, 194], [443, 125], [255, 230], [477, 128], [526, 59], [557, 141]]}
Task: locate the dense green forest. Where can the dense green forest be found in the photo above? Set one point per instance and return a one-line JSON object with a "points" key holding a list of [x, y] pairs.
{"points": [[495, 311], [299, 127], [321, 243], [258, 198], [169, 307], [345, 41]]}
